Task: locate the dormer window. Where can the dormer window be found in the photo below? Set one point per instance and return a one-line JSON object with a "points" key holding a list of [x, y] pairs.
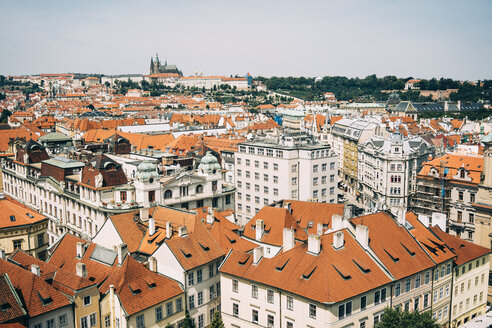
{"points": [[462, 174]]}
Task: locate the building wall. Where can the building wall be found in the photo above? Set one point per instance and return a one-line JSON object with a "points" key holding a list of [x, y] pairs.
{"points": [[28, 237], [82, 310], [55, 315], [470, 290]]}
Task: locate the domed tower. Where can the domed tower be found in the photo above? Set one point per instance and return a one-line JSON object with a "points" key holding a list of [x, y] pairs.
{"points": [[147, 184], [209, 165]]}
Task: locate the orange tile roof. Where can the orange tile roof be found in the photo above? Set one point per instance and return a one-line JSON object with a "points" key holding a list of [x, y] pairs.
{"points": [[21, 214], [138, 288], [33, 290], [306, 212], [275, 219], [331, 276], [472, 164], [435, 247], [394, 245], [465, 251]]}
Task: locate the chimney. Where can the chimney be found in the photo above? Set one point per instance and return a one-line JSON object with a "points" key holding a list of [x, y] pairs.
{"points": [[35, 269], [446, 106], [144, 213], [210, 215], [152, 264], [336, 222], [338, 239], [424, 219], [182, 231], [319, 230], [121, 253], [169, 230], [260, 229], [347, 212], [314, 244], [80, 249], [151, 226], [401, 216], [81, 270], [2, 253], [287, 206], [459, 104], [362, 235], [288, 239], [257, 254]]}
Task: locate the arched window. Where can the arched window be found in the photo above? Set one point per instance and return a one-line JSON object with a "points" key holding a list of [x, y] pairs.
{"points": [[199, 189], [168, 194], [462, 173]]}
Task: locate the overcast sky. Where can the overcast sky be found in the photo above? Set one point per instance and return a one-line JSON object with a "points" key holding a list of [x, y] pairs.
{"points": [[431, 38]]}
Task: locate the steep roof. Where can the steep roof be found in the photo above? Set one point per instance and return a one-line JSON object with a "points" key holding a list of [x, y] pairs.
{"points": [[138, 288], [13, 214], [309, 214], [465, 251], [37, 295], [10, 300], [275, 219], [452, 162], [394, 245], [331, 276]]}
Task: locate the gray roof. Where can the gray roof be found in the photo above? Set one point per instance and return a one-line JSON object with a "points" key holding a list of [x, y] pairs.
{"points": [[408, 106], [104, 255], [65, 163], [54, 136]]}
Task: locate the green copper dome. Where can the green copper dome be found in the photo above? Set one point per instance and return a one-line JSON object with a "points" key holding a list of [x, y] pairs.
{"points": [[146, 170], [209, 164]]}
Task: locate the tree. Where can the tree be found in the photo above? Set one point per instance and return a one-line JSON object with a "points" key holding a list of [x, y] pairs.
{"points": [[5, 116], [396, 318], [187, 322], [217, 321]]}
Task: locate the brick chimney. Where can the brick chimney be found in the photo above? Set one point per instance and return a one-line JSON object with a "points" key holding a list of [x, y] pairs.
{"points": [[257, 254], [151, 226], [338, 239], [288, 239], [169, 230], [260, 229], [35, 269], [314, 244], [81, 270], [152, 264], [80, 249], [362, 235], [121, 253]]}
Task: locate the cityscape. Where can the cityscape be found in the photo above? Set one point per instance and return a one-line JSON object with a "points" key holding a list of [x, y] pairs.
{"points": [[148, 185]]}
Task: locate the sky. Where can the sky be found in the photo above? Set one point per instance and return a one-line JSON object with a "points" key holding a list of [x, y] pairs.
{"points": [[354, 38]]}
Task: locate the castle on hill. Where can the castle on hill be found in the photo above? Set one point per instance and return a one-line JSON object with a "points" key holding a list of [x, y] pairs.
{"points": [[157, 68]]}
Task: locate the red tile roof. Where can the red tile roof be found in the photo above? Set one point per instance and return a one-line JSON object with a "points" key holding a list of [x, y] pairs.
{"points": [[331, 276]]}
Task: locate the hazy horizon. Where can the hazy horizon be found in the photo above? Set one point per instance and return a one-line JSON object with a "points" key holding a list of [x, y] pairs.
{"points": [[352, 38]]}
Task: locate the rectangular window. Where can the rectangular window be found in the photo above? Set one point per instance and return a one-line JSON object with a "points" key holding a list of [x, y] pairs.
{"points": [[270, 296], [87, 300], [407, 285], [257, 175], [199, 275], [191, 279], [426, 300], [200, 321], [210, 270], [158, 313], [377, 297], [169, 309], [315, 181], [211, 292], [254, 316], [265, 177], [363, 302], [93, 319], [417, 281], [315, 168], [312, 311], [191, 301], [290, 302], [107, 321], [235, 309], [270, 321], [50, 323], [83, 322], [275, 166], [200, 298], [140, 321], [294, 181], [179, 305], [427, 277], [62, 320], [234, 285], [275, 179], [254, 291], [397, 290]]}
